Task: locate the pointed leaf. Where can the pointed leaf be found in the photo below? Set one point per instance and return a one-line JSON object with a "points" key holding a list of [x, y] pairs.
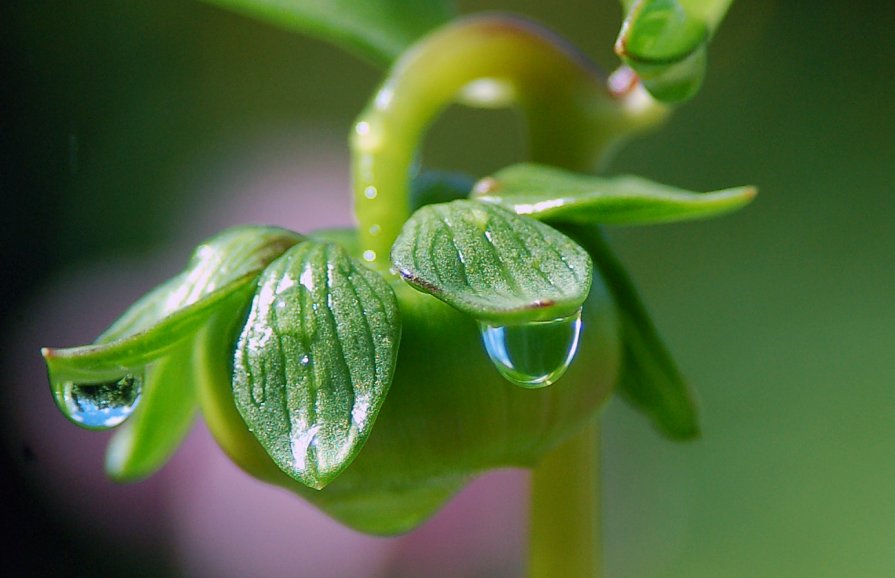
{"points": [[492, 264], [552, 194], [379, 30], [219, 267], [650, 380], [315, 359]]}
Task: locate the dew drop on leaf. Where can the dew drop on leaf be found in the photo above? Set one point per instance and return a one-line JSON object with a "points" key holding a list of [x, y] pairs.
{"points": [[534, 354], [102, 405]]}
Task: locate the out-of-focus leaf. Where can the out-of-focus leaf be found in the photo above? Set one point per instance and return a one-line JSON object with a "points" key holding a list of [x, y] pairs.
{"points": [[552, 194], [492, 264], [650, 380], [315, 360], [665, 42], [378, 30]]}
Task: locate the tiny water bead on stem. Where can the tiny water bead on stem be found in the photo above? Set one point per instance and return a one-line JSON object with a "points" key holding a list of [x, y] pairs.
{"points": [[575, 116]]}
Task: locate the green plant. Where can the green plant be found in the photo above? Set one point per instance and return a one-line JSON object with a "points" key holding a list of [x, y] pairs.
{"points": [[375, 371]]}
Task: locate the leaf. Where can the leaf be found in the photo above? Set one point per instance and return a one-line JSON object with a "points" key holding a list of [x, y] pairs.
{"points": [[551, 194], [650, 380], [315, 360], [665, 42], [492, 264], [174, 311], [107, 360], [145, 441], [379, 30]]}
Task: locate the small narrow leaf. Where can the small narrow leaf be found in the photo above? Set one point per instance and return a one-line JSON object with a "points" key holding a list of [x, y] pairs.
{"points": [[492, 264], [552, 194], [379, 30], [315, 359], [219, 268], [145, 442], [650, 380]]}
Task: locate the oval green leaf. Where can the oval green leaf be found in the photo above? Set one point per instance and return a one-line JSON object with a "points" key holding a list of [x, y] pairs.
{"points": [[552, 194], [315, 359], [492, 264], [377, 30]]}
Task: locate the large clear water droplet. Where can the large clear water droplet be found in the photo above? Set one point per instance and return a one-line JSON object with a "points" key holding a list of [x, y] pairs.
{"points": [[533, 354], [102, 405]]}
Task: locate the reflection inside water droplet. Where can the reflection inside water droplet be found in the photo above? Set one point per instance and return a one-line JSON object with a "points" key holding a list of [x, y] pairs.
{"points": [[533, 354], [102, 405]]}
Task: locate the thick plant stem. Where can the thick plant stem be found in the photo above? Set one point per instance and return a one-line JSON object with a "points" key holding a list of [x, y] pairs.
{"points": [[565, 522], [574, 113]]}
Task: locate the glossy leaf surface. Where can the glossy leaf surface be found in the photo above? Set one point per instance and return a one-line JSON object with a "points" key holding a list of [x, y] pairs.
{"points": [[173, 311], [492, 264], [378, 30], [315, 359], [552, 194]]}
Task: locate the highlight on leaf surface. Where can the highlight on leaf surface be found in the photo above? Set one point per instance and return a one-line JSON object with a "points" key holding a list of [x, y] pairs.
{"points": [[315, 359], [139, 373], [552, 194], [492, 264]]}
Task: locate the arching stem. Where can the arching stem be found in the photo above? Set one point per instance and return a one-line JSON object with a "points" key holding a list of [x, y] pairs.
{"points": [[575, 117], [574, 113]]}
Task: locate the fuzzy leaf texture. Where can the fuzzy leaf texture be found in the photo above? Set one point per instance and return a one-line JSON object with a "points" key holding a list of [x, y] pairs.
{"points": [[551, 194], [377, 30], [492, 264], [315, 360]]}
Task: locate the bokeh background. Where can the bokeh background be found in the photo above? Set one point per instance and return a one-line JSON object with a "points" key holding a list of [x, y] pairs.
{"points": [[130, 131]]}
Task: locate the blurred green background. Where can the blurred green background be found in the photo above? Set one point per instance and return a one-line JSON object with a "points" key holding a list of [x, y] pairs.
{"points": [[782, 316]]}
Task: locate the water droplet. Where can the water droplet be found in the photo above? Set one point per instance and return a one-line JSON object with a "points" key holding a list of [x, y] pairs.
{"points": [[102, 405], [369, 256], [371, 192], [533, 354]]}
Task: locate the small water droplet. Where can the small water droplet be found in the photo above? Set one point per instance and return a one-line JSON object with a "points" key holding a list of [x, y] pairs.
{"points": [[369, 256], [305, 360], [375, 230], [533, 354], [102, 405], [371, 192]]}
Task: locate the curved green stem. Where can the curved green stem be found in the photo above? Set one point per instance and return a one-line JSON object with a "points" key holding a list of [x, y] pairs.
{"points": [[565, 510], [574, 112]]}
